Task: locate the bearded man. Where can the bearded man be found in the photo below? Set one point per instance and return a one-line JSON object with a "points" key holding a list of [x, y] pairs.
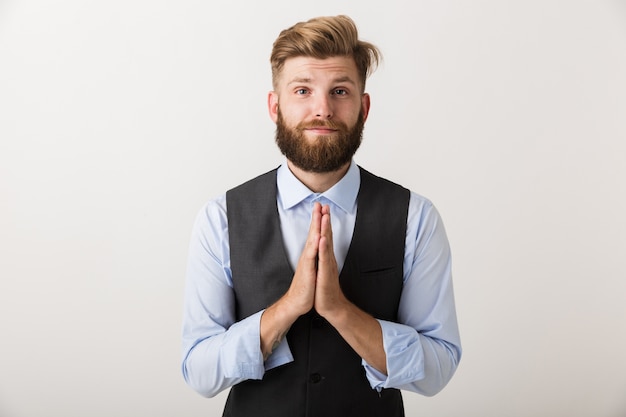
{"points": [[318, 288]]}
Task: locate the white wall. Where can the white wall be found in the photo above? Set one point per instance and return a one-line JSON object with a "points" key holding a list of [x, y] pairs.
{"points": [[119, 119]]}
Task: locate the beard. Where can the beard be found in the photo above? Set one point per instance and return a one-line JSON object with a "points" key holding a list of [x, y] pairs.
{"points": [[325, 153]]}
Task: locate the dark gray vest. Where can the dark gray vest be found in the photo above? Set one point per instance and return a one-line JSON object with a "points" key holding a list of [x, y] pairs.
{"points": [[326, 378]]}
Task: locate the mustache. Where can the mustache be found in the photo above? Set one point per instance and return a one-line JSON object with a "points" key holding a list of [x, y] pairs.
{"points": [[330, 124]]}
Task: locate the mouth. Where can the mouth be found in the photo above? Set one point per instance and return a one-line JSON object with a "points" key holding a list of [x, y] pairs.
{"points": [[321, 130]]}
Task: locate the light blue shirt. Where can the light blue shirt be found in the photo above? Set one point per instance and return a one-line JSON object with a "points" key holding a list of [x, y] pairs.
{"points": [[423, 349]]}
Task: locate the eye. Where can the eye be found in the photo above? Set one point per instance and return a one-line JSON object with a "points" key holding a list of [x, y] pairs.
{"points": [[301, 91], [340, 91]]}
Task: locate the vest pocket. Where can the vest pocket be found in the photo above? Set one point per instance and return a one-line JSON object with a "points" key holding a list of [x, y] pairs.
{"points": [[376, 291]]}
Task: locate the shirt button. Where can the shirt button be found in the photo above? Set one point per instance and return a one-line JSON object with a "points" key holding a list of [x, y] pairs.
{"points": [[315, 378]]}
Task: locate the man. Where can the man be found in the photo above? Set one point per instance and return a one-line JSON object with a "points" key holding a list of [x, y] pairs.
{"points": [[319, 289]]}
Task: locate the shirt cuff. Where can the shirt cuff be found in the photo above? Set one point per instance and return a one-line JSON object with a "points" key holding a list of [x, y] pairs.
{"points": [[405, 363], [240, 352], [280, 356]]}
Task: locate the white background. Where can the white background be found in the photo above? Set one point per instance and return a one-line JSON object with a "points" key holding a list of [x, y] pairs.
{"points": [[119, 119]]}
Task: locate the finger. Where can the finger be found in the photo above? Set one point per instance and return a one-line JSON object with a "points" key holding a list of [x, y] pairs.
{"points": [[312, 242], [326, 228], [327, 274], [326, 251], [316, 216]]}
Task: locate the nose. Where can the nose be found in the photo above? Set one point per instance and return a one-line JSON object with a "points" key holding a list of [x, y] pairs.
{"points": [[323, 107]]}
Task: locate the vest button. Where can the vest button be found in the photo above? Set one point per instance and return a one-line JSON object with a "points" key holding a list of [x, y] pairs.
{"points": [[315, 378]]}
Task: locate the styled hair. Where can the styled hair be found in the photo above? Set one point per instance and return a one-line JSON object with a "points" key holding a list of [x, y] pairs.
{"points": [[324, 37]]}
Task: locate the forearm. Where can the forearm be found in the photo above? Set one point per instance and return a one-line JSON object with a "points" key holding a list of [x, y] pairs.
{"points": [[275, 323], [362, 332]]}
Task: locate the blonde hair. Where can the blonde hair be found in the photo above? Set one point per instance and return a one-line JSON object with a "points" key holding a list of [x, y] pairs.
{"points": [[324, 37]]}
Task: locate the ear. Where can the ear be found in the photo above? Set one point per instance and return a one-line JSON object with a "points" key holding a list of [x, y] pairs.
{"points": [[365, 105], [272, 105]]}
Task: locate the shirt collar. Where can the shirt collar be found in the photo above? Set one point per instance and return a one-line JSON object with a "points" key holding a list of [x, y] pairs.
{"points": [[292, 192]]}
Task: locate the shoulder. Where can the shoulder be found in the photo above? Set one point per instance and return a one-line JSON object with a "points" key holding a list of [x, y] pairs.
{"points": [[380, 191], [368, 177], [418, 202], [211, 218], [424, 224]]}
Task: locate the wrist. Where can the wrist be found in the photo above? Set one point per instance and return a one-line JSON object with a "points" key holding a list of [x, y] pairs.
{"points": [[337, 312]]}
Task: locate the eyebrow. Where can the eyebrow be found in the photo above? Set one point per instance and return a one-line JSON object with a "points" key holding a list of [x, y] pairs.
{"points": [[306, 80]]}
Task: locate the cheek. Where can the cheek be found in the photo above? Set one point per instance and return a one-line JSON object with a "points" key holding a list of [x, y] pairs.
{"points": [[351, 110], [292, 116], [351, 116]]}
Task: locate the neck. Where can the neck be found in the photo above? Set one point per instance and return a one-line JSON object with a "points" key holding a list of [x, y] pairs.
{"points": [[318, 182]]}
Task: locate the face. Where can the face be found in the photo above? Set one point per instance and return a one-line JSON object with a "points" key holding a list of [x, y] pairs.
{"points": [[319, 112]]}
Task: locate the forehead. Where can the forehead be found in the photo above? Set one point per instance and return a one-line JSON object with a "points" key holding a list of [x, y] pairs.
{"points": [[312, 70]]}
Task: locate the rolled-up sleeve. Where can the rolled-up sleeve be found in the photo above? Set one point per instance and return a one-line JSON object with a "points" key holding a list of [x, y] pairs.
{"points": [[423, 349]]}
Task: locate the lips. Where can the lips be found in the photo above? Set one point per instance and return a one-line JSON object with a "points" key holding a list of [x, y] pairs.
{"points": [[321, 129]]}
